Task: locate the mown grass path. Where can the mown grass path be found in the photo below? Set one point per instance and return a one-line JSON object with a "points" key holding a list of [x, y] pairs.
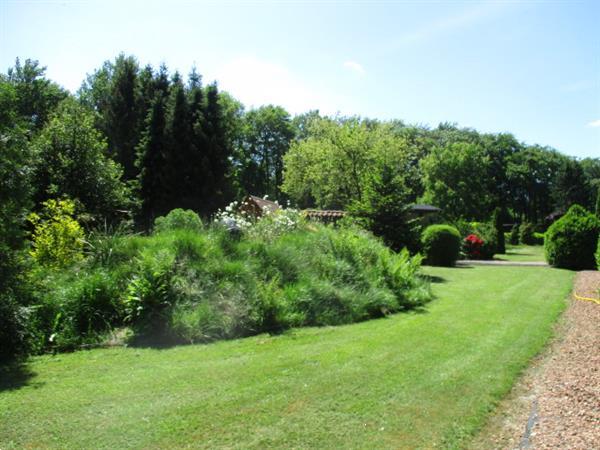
{"points": [[415, 380]]}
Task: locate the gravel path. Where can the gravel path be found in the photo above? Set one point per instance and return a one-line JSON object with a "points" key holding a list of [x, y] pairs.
{"points": [[569, 390], [493, 262], [556, 404]]}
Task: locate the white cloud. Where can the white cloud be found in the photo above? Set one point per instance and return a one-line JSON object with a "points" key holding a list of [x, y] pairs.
{"points": [[594, 123], [257, 82], [355, 67]]}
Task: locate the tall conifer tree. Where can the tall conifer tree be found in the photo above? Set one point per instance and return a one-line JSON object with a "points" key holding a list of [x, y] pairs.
{"points": [[123, 115]]}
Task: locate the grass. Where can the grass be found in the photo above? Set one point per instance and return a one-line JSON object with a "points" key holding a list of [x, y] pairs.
{"points": [[522, 253], [414, 380]]}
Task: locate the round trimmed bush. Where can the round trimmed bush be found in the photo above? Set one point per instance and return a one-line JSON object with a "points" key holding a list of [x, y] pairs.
{"points": [[178, 219], [441, 245], [570, 241], [526, 236]]}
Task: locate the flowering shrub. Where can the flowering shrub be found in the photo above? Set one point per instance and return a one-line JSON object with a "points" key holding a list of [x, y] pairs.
{"points": [[233, 219], [269, 225], [473, 245]]}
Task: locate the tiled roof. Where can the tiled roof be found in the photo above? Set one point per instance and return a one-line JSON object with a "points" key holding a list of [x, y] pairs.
{"points": [[324, 213]]}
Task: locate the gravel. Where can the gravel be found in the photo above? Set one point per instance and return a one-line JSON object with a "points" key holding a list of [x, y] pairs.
{"points": [[568, 391], [556, 403]]}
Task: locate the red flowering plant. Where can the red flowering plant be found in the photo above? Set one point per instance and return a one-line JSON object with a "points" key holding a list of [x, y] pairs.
{"points": [[473, 245]]}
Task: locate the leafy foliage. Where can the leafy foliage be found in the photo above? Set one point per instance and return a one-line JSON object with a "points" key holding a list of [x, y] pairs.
{"points": [[570, 241], [455, 177], [526, 236], [385, 209], [441, 245], [57, 237], [178, 219], [72, 162]]}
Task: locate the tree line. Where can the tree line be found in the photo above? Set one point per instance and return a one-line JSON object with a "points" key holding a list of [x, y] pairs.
{"points": [[136, 141]]}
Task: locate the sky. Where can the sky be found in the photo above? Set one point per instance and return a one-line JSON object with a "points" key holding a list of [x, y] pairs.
{"points": [[531, 68]]}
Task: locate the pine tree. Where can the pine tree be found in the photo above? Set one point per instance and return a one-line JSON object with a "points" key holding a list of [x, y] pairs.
{"points": [[178, 147], [122, 114], [218, 152], [151, 163], [385, 209], [200, 172], [497, 220]]}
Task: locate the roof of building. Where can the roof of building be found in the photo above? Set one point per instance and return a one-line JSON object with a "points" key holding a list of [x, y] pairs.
{"points": [[425, 208], [325, 213], [264, 204]]}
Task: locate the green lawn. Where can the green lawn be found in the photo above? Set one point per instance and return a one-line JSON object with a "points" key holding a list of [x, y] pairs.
{"points": [[522, 253], [414, 380]]}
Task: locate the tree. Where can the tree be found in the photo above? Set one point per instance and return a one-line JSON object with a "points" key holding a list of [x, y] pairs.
{"points": [[122, 114], [328, 168], [531, 174], [456, 178], [218, 152], [498, 220], [15, 201], [176, 172], [72, 162], [36, 96], [266, 137], [151, 163], [385, 209], [570, 186]]}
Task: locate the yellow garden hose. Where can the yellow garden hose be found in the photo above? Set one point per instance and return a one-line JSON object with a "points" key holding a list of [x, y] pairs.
{"points": [[586, 299]]}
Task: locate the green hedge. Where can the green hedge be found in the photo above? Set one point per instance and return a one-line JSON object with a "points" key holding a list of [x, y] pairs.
{"points": [[571, 241], [441, 245]]}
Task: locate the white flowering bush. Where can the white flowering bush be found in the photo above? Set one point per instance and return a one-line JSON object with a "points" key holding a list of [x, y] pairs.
{"points": [[233, 219], [270, 224]]}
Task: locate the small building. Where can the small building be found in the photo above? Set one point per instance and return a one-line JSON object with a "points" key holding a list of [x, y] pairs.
{"points": [[257, 207]]}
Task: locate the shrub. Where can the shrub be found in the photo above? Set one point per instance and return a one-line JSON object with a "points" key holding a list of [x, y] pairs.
{"points": [[178, 219], [13, 327], [598, 255], [497, 219], [441, 245], [526, 236], [538, 238], [514, 235], [571, 240], [472, 246], [57, 236]]}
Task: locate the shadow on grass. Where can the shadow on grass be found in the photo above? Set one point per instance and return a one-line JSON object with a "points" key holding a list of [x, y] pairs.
{"points": [[15, 375], [433, 278]]}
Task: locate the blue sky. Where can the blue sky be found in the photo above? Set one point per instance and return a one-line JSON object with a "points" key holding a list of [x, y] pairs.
{"points": [[531, 68]]}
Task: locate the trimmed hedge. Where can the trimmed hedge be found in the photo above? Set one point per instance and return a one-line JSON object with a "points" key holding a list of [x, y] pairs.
{"points": [[441, 245], [570, 241]]}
